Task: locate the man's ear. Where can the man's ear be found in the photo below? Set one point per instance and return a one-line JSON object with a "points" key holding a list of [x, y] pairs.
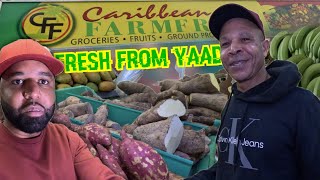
{"points": [[265, 47]]}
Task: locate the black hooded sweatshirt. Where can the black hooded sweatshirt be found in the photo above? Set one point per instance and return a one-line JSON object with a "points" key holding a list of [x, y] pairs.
{"points": [[270, 132]]}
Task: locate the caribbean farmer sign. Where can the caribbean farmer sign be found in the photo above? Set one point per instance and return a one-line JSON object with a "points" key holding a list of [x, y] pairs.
{"points": [[115, 23]]}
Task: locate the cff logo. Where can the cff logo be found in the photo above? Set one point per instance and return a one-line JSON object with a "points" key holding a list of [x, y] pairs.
{"points": [[48, 24]]}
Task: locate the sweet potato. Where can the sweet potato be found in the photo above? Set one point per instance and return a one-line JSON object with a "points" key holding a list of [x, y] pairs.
{"points": [[173, 176], [141, 161], [108, 160], [100, 117], [91, 148], [80, 108], [205, 83], [60, 118], [95, 133], [114, 149], [68, 101], [130, 87], [86, 118], [66, 112], [212, 101]]}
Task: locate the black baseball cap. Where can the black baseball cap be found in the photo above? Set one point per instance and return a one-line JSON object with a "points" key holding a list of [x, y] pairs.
{"points": [[230, 11]]}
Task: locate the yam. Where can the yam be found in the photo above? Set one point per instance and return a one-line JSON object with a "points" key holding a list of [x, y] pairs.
{"points": [[215, 102], [95, 133], [113, 125], [182, 154], [86, 118], [168, 84], [108, 160], [68, 101], [140, 97], [140, 106], [205, 83], [79, 78], [92, 95], [130, 87], [106, 86], [100, 117], [174, 94], [192, 142], [105, 76], [149, 116], [129, 128], [93, 77], [80, 108], [211, 130], [153, 133], [202, 111], [60, 118], [141, 161]]}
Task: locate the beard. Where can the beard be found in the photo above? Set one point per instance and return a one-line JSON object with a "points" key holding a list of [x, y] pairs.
{"points": [[26, 123]]}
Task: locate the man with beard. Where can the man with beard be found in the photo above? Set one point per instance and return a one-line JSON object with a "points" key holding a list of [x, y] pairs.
{"points": [[270, 128], [30, 146]]}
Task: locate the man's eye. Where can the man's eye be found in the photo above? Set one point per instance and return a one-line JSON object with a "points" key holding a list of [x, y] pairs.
{"points": [[17, 82], [224, 44], [245, 39], [42, 81]]}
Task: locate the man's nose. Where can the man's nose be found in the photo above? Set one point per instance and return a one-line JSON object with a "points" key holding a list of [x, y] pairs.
{"points": [[235, 48], [31, 90]]}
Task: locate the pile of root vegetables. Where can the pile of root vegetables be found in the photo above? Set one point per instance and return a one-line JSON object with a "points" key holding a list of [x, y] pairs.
{"points": [[200, 101], [199, 95], [129, 158]]}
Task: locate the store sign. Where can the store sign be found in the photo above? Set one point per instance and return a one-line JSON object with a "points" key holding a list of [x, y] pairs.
{"points": [[48, 24], [145, 58], [110, 23]]}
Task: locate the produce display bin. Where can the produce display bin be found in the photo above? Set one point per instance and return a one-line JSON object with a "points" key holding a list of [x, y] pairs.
{"points": [[119, 114]]}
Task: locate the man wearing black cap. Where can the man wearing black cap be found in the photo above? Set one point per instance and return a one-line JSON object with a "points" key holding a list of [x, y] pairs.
{"points": [[270, 128]]}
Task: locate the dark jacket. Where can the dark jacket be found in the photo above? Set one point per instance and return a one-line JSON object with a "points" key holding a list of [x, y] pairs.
{"points": [[270, 132]]}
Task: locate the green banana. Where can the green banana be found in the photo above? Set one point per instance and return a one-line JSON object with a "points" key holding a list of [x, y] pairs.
{"points": [[311, 84], [312, 42], [274, 44], [317, 88], [309, 73], [301, 35], [291, 42], [309, 38], [296, 58], [315, 48], [283, 51], [304, 64]]}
